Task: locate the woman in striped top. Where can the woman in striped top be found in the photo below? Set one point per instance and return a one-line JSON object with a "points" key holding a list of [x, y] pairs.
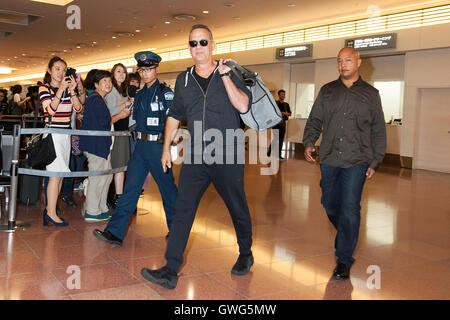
{"points": [[58, 98]]}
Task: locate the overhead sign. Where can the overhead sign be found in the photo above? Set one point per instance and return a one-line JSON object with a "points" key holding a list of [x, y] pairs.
{"points": [[304, 50], [376, 42]]}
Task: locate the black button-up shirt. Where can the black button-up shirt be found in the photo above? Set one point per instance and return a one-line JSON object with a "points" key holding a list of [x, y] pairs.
{"points": [[352, 122]]}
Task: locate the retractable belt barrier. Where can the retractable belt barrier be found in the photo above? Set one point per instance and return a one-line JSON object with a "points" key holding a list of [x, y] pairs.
{"points": [[76, 174], [73, 174], [74, 132], [15, 170]]}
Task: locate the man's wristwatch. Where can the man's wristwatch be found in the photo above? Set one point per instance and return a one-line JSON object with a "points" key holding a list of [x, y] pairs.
{"points": [[226, 74]]}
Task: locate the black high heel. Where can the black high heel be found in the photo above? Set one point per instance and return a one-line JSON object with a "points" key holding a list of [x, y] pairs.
{"points": [[48, 220]]}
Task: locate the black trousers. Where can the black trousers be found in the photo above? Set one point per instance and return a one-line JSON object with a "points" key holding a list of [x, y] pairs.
{"points": [[193, 181], [282, 133]]}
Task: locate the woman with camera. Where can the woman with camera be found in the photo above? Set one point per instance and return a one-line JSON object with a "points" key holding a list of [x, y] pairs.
{"points": [[58, 98]]}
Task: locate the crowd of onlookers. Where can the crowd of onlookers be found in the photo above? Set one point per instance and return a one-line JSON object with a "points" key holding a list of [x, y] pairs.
{"points": [[16, 105], [99, 102]]}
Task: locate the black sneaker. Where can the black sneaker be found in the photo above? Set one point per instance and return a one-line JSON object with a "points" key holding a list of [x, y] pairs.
{"points": [[164, 277], [108, 237], [243, 265], [341, 272]]}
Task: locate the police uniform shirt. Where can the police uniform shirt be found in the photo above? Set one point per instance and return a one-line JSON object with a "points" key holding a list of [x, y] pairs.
{"points": [[151, 106]]}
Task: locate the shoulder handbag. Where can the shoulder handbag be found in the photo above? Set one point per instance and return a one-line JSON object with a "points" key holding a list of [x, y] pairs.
{"points": [[40, 150], [264, 112]]}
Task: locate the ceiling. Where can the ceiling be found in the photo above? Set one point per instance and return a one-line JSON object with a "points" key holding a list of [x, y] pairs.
{"points": [[27, 44]]}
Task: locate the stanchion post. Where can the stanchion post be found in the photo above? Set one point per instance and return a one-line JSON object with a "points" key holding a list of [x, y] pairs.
{"points": [[14, 178]]}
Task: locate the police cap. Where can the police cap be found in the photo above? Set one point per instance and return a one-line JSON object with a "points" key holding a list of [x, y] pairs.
{"points": [[147, 59]]}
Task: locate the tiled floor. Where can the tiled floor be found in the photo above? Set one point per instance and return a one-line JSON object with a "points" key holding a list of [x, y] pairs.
{"points": [[404, 232]]}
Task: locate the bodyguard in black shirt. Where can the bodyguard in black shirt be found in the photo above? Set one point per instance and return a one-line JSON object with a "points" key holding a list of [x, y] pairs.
{"points": [[348, 113]]}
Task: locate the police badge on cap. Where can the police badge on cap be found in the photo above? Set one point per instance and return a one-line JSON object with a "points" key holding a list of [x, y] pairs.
{"points": [[147, 59]]}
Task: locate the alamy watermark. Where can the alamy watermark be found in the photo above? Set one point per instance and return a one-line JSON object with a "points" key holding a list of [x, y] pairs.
{"points": [[74, 280], [213, 146], [73, 21], [374, 281]]}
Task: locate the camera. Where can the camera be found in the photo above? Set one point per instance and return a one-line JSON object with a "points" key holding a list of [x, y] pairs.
{"points": [[70, 72]]}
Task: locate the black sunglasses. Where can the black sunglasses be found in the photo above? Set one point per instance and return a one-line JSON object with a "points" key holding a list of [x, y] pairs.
{"points": [[194, 43]]}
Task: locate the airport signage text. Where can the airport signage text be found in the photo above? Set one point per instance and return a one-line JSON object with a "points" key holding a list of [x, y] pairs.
{"points": [[300, 51], [375, 42]]}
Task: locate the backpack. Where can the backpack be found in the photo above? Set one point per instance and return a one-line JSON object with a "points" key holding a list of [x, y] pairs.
{"points": [[264, 112]]}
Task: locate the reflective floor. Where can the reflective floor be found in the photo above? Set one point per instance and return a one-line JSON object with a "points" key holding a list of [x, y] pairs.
{"points": [[403, 250]]}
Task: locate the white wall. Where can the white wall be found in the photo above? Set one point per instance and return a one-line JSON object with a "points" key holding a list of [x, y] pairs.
{"points": [[423, 69], [383, 68], [275, 76]]}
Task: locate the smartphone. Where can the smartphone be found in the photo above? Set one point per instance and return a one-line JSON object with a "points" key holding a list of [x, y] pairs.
{"points": [[70, 72], [78, 79], [130, 107]]}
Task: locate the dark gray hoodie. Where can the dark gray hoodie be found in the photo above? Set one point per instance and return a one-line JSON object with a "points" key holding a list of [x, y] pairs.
{"points": [[210, 110]]}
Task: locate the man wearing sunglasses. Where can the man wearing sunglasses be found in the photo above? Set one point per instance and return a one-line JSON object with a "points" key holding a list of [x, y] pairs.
{"points": [[211, 99], [150, 108]]}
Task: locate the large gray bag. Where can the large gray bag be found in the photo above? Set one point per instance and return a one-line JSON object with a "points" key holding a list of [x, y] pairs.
{"points": [[264, 112]]}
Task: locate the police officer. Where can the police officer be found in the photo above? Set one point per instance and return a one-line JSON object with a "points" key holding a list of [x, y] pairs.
{"points": [[150, 109]]}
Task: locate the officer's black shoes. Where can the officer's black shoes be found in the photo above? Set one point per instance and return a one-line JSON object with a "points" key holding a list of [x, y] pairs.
{"points": [[341, 272], [115, 201], [243, 264], [112, 203], [164, 277], [108, 237]]}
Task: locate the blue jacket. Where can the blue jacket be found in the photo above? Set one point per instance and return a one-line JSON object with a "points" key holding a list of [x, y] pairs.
{"points": [[96, 117], [152, 104]]}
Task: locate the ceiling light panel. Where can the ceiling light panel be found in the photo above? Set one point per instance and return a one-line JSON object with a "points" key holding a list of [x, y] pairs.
{"points": [[54, 2]]}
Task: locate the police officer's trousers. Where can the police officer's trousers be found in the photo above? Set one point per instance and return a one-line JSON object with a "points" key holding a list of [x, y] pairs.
{"points": [[145, 158], [193, 181]]}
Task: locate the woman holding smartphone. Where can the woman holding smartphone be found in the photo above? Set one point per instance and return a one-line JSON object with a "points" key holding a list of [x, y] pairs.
{"points": [[58, 98], [117, 100]]}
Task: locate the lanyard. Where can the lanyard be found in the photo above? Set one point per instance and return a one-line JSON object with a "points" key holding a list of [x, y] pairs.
{"points": [[142, 103]]}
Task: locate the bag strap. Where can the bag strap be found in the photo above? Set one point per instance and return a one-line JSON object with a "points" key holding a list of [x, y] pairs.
{"points": [[49, 115], [247, 73], [237, 73]]}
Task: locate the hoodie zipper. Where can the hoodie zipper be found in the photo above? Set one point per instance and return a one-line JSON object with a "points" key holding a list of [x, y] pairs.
{"points": [[204, 105]]}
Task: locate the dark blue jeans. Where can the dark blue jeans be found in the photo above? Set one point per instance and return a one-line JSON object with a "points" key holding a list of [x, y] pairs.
{"points": [[341, 197]]}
